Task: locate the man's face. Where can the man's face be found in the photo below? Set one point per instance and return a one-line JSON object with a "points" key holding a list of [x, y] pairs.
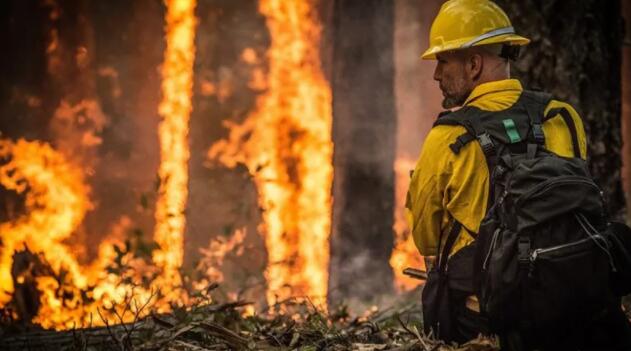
{"points": [[453, 78]]}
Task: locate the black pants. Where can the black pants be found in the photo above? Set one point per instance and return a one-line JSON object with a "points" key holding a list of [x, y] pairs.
{"points": [[468, 324], [611, 331]]}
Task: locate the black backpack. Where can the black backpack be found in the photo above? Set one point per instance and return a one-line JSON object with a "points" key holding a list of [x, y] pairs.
{"points": [[545, 254]]}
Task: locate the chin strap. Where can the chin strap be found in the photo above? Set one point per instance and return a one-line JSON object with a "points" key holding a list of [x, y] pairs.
{"points": [[510, 52]]}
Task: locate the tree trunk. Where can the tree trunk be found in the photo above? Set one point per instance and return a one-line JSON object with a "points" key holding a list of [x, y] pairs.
{"points": [[24, 39], [364, 127], [626, 103], [128, 49], [575, 54]]}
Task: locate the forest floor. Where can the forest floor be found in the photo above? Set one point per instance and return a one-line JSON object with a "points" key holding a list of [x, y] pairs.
{"points": [[225, 326]]}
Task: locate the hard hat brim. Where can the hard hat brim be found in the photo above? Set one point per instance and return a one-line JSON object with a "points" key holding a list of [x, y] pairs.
{"points": [[510, 39]]}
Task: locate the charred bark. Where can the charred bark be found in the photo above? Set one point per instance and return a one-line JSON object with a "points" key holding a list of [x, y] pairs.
{"points": [[575, 54], [230, 195], [364, 127]]}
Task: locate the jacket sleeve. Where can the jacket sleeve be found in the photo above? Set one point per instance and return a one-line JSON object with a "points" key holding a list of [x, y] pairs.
{"points": [[444, 187], [558, 138], [424, 198]]}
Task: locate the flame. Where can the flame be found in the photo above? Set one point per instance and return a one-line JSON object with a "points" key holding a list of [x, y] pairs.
{"points": [[175, 109], [405, 253], [57, 199], [213, 257], [286, 145], [56, 202]]}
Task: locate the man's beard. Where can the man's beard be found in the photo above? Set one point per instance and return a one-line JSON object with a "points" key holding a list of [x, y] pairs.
{"points": [[460, 91], [450, 102]]}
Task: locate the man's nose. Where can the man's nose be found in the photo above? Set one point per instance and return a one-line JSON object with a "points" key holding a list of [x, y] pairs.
{"points": [[437, 73]]}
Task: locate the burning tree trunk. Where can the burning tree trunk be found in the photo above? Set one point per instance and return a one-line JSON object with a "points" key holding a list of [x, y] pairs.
{"points": [[23, 68], [577, 57], [364, 124], [129, 44]]}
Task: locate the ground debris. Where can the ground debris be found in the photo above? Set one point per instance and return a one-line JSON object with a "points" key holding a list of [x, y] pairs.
{"points": [[215, 326]]}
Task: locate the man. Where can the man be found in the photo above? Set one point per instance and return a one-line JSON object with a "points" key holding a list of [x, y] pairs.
{"points": [[473, 42]]}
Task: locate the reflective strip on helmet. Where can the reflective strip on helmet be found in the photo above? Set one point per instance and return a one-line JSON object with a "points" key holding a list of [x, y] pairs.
{"points": [[491, 34]]}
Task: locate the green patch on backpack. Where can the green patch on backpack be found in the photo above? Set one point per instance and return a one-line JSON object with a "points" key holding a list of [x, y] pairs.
{"points": [[511, 131]]}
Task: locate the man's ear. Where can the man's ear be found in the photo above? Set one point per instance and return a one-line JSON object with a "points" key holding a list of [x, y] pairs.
{"points": [[474, 66]]}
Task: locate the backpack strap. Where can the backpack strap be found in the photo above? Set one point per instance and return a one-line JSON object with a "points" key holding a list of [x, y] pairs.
{"points": [[571, 126], [535, 104], [467, 117], [461, 141], [443, 256]]}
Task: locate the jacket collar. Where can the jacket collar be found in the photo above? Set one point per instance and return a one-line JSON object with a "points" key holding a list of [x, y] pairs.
{"points": [[487, 90]]}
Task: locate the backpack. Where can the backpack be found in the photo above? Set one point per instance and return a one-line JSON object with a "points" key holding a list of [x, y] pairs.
{"points": [[545, 254]]}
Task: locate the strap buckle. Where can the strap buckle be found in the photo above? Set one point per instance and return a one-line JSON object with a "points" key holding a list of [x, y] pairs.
{"points": [[486, 143], [537, 133], [460, 142], [523, 247]]}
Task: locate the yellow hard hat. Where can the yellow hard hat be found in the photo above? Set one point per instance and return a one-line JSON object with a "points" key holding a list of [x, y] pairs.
{"points": [[461, 24]]}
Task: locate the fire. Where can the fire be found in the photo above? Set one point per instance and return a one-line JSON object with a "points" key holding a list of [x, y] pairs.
{"points": [[213, 257], [405, 253], [56, 202], [286, 145], [57, 199], [175, 109]]}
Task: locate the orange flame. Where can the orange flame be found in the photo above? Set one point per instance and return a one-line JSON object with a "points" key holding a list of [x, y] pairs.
{"points": [[405, 254], [175, 109], [213, 257], [56, 201], [286, 145]]}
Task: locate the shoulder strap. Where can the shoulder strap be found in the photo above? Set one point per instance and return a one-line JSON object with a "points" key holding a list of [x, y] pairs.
{"points": [[571, 126], [463, 118], [535, 103], [443, 255]]}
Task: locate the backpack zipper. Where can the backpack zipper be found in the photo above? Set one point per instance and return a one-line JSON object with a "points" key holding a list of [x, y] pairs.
{"points": [[545, 186], [536, 252], [491, 247]]}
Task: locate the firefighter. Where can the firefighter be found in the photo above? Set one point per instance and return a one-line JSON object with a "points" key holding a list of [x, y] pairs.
{"points": [[473, 42]]}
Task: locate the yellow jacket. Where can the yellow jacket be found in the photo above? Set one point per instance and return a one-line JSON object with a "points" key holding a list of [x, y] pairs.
{"points": [[445, 186]]}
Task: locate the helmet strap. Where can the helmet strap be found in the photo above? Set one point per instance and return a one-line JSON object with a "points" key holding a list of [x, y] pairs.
{"points": [[510, 52]]}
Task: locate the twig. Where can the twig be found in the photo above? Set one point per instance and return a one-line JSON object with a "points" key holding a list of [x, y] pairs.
{"points": [[109, 330], [228, 335], [190, 346], [413, 333]]}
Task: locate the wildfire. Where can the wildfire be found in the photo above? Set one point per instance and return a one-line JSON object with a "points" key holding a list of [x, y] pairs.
{"points": [[56, 202], [175, 109], [286, 145], [213, 257], [57, 199], [405, 253]]}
